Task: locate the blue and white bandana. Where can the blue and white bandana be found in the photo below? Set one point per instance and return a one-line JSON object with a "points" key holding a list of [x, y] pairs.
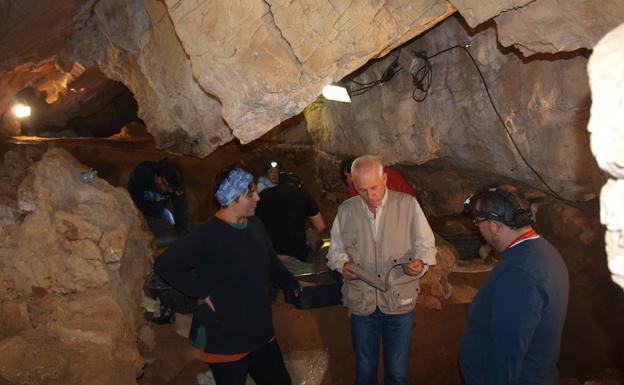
{"points": [[233, 186]]}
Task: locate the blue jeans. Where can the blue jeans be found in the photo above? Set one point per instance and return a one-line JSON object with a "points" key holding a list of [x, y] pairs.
{"points": [[396, 332]]}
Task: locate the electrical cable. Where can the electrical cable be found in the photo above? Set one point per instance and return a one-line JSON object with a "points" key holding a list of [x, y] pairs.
{"points": [[427, 69], [388, 74], [422, 77]]}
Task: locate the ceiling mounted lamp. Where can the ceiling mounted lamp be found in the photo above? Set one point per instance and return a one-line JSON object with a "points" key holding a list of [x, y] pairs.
{"points": [[21, 110], [337, 93]]}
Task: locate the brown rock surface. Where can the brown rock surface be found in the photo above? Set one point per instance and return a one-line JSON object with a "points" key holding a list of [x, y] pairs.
{"points": [[267, 60], [204, 73], [434, 284], [545, 26], [476, 12], [24, 361], [550, 26], [545, 112], [71, 276], [180, 115]]}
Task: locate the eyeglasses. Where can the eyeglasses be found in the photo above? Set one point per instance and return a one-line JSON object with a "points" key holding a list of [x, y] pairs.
{"points": [[476, 221]]}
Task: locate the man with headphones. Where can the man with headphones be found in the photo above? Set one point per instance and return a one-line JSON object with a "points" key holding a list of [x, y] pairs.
{"points": [[516, 320]]}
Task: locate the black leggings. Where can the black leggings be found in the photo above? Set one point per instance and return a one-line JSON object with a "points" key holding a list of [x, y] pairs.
{"points": [[265, 365]]}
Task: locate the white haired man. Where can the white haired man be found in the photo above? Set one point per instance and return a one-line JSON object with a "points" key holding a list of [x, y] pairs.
{"points": [[376, 232]]}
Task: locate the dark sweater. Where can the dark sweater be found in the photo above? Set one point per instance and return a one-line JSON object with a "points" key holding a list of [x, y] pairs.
{"points": [[516, 319], [284, 209], [234, 267], [152, 202]]}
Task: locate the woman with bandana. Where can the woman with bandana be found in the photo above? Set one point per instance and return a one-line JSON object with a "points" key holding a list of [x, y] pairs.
{"points": [[227, 263]]}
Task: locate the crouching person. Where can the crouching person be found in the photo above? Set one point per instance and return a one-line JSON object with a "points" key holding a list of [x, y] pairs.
{"points": [[227, 263]]}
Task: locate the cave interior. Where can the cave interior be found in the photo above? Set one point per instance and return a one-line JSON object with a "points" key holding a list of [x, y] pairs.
{"points": [[457, 95]]}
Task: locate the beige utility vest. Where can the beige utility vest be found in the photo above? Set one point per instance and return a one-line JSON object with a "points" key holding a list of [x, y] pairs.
{"points": [[394, 241]]}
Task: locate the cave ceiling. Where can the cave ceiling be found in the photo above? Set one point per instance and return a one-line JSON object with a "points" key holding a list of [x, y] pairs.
{"points": [[206, 72]]}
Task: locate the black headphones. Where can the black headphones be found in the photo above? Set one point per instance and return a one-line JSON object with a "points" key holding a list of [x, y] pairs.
{"points": [[520, 217]]}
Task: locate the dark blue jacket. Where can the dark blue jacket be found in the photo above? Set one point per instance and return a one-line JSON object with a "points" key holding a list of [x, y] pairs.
{"points": [[516, 319], [150, 201]]}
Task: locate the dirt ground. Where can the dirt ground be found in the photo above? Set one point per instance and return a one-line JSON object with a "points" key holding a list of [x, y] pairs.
{"points": [[595, 353], [592, 347], [434, 344], [593, 340]]}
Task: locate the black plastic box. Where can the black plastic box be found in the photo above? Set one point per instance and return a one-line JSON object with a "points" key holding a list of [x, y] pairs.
{"points": [[169, 297], [318, 290]]}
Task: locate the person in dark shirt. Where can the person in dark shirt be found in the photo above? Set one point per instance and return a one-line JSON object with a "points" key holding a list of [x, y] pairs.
{"points": [[516, 320], [284, 209], [156, 186], [226, 263]]}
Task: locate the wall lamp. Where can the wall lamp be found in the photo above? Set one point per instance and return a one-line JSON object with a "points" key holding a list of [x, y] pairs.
{"points": [[337, 93]]}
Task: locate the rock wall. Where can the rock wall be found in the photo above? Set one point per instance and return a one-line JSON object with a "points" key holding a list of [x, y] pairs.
{"points": [[545, 26], [606, 75], [73, 257], [149, 59], [206, 72], [266, 60], [544, 104]]}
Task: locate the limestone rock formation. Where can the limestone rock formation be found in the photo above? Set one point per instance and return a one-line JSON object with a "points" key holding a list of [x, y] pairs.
{"points": [[434, 284], [476, 12], [606, 75], [545, 26], [180, 115], [73, 264], [204, 73], [267, 60], [552, 26], [543, 103]]}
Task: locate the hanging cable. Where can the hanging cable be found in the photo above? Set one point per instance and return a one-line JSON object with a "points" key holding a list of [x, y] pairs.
{"points": [[422, 78], [388, 74], [425, 71]]}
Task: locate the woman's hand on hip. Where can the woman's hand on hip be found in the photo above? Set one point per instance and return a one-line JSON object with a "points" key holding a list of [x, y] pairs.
{"points": [[207, 301]]}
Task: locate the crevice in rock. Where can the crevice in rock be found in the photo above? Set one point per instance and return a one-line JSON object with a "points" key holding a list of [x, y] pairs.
{"points": [[273, 23], [512, 9]]}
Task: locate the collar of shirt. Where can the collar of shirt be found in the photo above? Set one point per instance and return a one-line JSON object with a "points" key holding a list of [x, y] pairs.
{"points": [[374, 218], [529, 234]]}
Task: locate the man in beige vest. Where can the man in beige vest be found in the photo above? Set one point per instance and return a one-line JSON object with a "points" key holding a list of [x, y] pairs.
{"points": [[382, 244]]}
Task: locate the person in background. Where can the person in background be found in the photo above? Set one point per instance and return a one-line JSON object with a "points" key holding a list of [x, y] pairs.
{"points": [[516, 320], [271, 179], [395, 179], [373, 232], [227, 263], [284, 209], [157, 189]]}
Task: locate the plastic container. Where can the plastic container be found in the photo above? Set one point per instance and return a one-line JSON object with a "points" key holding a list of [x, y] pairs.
{"points": [[169, 297], [88, 176], [318, 290]]}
